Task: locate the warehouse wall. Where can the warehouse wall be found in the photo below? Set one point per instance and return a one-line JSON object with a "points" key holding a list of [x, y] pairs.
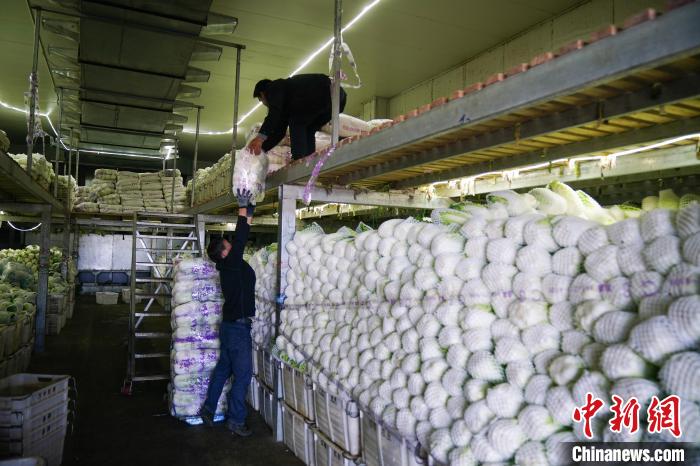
{"points": [[550, 35]]}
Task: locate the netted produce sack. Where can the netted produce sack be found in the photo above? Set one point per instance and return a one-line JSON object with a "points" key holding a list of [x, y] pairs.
{"points": [[348, 126], [249, 173], [88, 207], [4, 141], [105, 174]]}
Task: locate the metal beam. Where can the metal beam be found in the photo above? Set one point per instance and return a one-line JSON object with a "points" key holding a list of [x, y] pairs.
{"points": [[649, 97], [644, 164], [141, 26], [412, 199], [673, 36], [124, 95], [589, 146], [42, 290], [131, 70], [110, 129]]}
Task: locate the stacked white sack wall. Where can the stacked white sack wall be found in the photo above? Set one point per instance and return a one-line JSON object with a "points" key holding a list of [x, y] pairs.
{"points": [[196, 316], [479, 336]]}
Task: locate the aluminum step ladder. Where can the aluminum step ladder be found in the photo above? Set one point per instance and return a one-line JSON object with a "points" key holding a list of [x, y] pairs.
{"points": [[158, 240]]}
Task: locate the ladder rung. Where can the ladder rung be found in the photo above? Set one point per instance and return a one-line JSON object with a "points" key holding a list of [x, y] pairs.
{"points": [[182, 226], [178, 238], [154, 280], [188, 251], [154, 264], [146, 378], [152, 335], [151, 355], [154, 295], [152, 314]]}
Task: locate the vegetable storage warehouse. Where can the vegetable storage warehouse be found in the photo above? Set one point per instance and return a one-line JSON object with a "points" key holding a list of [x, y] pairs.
{"points": [[491, 254]]}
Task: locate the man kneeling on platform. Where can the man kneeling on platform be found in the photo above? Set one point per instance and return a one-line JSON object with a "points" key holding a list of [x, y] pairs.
{"points": [[238, 286]]}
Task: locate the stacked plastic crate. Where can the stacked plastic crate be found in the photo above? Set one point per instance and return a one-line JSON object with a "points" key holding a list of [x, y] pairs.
{"points": [[264, 368], [56, 313], [336, 436], [297, 411], [34, 416]]}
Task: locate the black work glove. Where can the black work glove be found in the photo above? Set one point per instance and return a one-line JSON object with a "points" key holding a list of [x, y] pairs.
{"points": [[243, 197]]}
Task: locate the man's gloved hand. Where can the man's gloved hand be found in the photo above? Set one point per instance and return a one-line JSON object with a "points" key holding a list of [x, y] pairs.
{"points": [[243, 197], [255, 145], [250, 210]]}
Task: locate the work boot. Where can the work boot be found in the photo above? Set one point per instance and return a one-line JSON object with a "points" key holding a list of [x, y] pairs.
{"points": [[241, 430], [207, 417]]}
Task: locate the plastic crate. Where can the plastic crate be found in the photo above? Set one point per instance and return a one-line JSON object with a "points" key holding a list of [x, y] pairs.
{"points": [[267, 405], [126, 295], [266, 365], [106, 297], [298, 435], [34, 415], [381, 447], [338, 418], [56, 303], [54, 324], [8, 337], [326, 453], [297, 390], [253, 396], [27, 328]]}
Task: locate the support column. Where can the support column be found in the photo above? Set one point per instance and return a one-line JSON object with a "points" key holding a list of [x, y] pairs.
{"points": [[335, 93], [194, 160], [33, 89], [285, 233], [42, 291], [58, 141], [236, 91]]}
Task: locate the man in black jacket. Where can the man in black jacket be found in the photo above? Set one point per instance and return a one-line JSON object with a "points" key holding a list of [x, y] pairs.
{"points": [[302, 102], [238, 287]]}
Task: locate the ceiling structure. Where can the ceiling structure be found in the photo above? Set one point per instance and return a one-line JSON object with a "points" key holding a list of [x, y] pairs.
{"points": [[396, 44]]}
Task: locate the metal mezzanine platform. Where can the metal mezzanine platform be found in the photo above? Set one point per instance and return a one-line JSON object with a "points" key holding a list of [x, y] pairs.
{"points": [[619, 89]]}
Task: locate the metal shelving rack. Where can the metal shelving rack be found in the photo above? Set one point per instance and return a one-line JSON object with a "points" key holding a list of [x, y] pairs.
{"points": [[22, 199], [619, 91]]}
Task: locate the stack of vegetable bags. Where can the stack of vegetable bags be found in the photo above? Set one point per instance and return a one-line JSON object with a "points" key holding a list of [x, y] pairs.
{"points": [[42, 171], [152, 192], [129, 190], [195, 321], [175, 198], [477, 335], [67, 189], [264, 263]]}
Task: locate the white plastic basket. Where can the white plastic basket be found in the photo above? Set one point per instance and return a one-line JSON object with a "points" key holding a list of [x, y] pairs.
{"points": [[381, 447], [126, 295], [326, 453], [34, 416], [106, 297], [54, 324], [267, 405], [297, 390], [338, 418], [253, 396], [298, 435], [266, 365]]}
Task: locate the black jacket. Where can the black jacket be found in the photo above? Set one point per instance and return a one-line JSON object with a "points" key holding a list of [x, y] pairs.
{"points": [[237, 277], [299, 99]]}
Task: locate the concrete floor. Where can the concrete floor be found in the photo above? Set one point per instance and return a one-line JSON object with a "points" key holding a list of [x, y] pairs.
{"points": [[111, 429]]}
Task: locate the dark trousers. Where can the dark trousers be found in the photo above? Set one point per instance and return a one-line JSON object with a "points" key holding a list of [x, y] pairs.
{"points": [[302, 132], [236, 359]]}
